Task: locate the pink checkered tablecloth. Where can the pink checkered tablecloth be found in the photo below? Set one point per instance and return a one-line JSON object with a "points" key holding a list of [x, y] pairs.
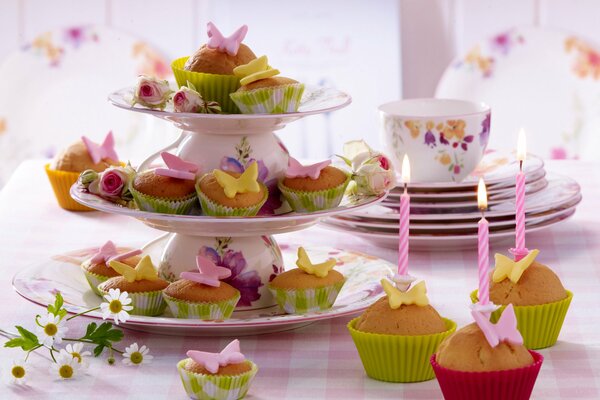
{"points": [[318, 361]]}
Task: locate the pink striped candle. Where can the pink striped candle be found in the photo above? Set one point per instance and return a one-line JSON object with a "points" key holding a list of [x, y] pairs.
{"points": [[483, 247], [520, 211], [404, 220]]}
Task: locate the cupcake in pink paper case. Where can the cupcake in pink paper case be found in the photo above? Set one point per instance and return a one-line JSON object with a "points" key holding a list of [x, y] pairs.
{"points": [[227, 374], [315, 187], [484, 360]]}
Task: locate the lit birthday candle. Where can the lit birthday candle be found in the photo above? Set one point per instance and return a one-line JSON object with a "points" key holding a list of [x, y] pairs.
{"points": [[404, 220], [483, 245], [520, 250]]}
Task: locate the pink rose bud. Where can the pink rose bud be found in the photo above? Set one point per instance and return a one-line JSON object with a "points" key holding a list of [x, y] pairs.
{"points": [[151, 92], [188, 100], [384, 162], [111, 183]]}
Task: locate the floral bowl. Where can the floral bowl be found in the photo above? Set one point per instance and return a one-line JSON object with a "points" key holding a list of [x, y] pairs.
{"points": [[444, 139]]}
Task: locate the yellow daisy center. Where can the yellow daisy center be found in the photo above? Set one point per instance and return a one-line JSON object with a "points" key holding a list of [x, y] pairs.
{"points": [[65, 371], [17, 371], [76, 356], [50, 329], [136, 357], [115, 306]]}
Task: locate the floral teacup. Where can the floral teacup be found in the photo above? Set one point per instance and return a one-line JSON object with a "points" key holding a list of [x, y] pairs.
{"points": [[444, 139]]}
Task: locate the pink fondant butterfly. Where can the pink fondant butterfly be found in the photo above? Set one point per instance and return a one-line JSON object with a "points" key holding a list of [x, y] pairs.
{"points": [[210, 274], [212, 361], [100, 152], [177, 168], [105, 252], [504, 329], [230, 44], [297, 170]]}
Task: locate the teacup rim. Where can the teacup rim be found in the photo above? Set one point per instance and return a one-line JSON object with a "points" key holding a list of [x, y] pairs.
{"points": [[485, 108]]}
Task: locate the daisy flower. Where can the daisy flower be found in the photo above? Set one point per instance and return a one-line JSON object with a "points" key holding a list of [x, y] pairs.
{"points": [[136, 356], [75, 351], [66, 366], [18, 372], [51, 329], [116, 306]]}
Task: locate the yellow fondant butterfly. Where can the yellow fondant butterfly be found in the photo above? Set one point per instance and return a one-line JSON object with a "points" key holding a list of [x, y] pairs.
{"points": [[508, 268], [321, 270], [255, 70], [247, 182], [143, 270], [417, 294]]}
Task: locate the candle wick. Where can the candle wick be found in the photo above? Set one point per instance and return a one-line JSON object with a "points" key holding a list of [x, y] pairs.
{"points": [[405, 187], [482, 213], [521, 165]]}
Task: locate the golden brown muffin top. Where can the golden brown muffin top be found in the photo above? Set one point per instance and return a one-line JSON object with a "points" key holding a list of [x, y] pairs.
{"points": [[330, 177], [213, 61], [407, 320], [144, 285], [76, 158], [163, 186], [195, 292], [298, 279], [468, 350], [267, 82], [106, 270], [538, 285], [211, 188], [229, 369]]}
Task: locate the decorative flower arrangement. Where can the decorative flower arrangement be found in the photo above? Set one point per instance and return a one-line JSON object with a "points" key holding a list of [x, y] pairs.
{"points": [[372, 171], [72, 360], [112, 184]]}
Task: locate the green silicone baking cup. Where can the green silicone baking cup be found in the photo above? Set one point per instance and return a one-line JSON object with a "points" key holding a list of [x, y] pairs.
{"points": [[300, 301], [205, 311], [209, 207], [539, 325], [270, 100], [94, 280], [398, 358], [155, 204], [303, 201], [149, 304]]}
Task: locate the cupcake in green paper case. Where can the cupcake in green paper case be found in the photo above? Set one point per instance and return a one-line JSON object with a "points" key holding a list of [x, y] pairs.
{"points": [[398, 334], [540, 300], [315, 187], [308, 288], [224, 375], [141, 283], [210, 68], [262, 92]]}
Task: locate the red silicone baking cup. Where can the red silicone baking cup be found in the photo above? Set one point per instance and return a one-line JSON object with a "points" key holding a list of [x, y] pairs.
{"points": [[514, 384]]}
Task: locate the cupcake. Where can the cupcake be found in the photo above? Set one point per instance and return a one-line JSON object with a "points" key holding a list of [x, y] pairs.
{"points": [[224, 193], [263, 92], [142, 283], [486, 361], [313, 187], [397, 335], [224, 375], [96, 268], [539, 298], [210, 68], [201, 294], [84, 154], [308, 288], [168, 190]]}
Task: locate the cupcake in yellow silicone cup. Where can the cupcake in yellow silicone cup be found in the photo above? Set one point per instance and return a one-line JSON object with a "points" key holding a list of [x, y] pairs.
{"points": [[315, 187], [141, 283], [539, 298], [225, 194], [224, 375], [398, 334], [210, 68], [201, 294], [84, 154], [263, 92], [308, 288]]}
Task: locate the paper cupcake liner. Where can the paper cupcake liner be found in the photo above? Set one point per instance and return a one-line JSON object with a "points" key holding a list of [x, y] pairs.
{"points": [[61, 182], [155, 204], [209, 387], [514, 384], [539, 325], [94, 280], [300, 301], [270, 100], [212, 87], [398, 358], [302, 201], [149, 304], [204, 311], [209, 207]]}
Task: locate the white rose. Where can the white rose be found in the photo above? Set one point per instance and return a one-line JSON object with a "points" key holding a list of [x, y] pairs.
{"points": [[188, 100], [151, 92], [372, 179]]}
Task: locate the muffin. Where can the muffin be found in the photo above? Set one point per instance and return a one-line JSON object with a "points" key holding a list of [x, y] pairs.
{"points": [[201, 294], [168, 190], [224, 375], [210, 68], [263, 92], [314, 187], [84, 154], [483, 360], [224, 193], [142, 283], [396, 336], [308, 288], [540, 300]]}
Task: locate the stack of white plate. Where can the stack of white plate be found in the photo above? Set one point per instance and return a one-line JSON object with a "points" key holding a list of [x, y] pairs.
{"points": [[444, 215]]}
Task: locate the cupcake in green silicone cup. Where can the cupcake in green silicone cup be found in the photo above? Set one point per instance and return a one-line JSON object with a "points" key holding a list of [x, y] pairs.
{"points": [[141, 283], [210, 68], [201, 294], [398, 334], [262, 92], [313, 187], [308, 288], [224, 375]]}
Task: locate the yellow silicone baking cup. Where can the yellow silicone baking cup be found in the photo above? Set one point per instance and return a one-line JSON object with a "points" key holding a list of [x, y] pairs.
{"points": [[539, 325], [398, 358], [61, 182]]}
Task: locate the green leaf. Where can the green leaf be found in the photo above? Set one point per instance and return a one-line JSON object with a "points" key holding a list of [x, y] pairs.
{"points": [[98, 350], [346, 160], [16, 342], [27, 341], [27, 335], [90, 328], [57, 308]]}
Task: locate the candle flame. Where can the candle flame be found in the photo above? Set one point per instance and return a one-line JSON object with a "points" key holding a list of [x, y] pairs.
{"points": [[405, 169], [521, 146], [481, 195]]}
